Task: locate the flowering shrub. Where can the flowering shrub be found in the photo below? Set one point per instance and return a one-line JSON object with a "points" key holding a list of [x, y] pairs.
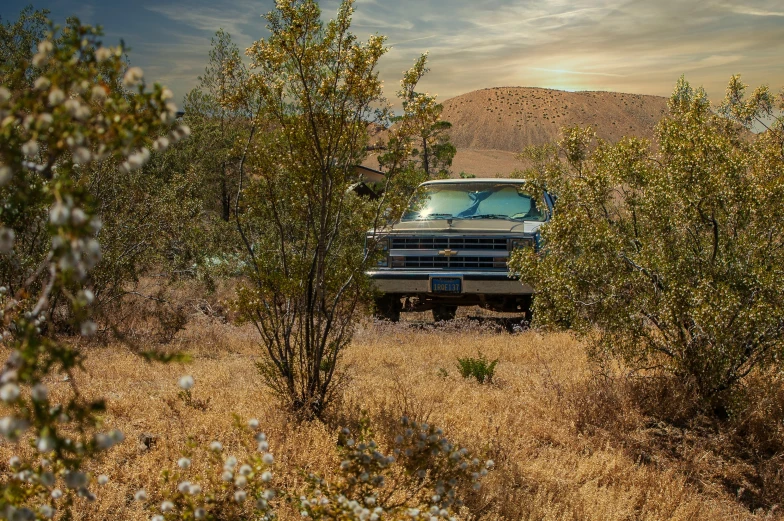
{"points": [[234, 491], [667, 257], [422, 478], [60, 112]]}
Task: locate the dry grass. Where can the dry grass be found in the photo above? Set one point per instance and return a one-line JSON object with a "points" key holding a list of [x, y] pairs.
{"points": [[553, 462]]}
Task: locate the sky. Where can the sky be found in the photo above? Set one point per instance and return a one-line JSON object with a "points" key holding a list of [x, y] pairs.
{"points": [[635, 46]]}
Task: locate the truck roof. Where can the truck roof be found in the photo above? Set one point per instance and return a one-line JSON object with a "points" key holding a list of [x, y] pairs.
{"points": [[475, 180]]}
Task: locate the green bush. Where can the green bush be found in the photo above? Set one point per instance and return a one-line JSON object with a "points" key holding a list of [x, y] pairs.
{"points": [[668, 255], [480, 368]]}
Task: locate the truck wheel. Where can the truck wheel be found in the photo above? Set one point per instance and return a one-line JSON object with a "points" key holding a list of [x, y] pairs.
{"points": [[388, 307], [441, 313]]}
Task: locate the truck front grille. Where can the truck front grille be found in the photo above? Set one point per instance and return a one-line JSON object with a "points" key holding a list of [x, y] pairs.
{"points": [[454, 243], [453, 262]]}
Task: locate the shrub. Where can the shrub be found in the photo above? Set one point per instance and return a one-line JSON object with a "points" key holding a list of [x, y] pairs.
{"points": [[302, 227], [480, 368], [60, 115], [667, 255]]}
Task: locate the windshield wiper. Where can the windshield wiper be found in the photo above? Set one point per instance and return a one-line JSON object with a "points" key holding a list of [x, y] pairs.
{"points": [[436, 216], [488, 216]]}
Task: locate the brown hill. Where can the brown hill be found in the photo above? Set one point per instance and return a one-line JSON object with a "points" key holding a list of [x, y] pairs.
{"points": [[491, 126], [511, 118]]}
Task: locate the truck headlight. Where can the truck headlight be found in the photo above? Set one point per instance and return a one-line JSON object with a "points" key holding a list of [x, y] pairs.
{"points": [[525, 242]]}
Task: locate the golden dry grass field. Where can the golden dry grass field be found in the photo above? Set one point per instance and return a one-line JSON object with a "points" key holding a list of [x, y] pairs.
{"points": [[530, 420]]}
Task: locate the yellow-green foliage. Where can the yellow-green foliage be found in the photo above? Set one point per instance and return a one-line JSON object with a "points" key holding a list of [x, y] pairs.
{"points": [[668, 254]]}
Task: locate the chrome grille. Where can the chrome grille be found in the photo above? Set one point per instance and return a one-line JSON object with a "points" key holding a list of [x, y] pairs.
{"points": [[455, 243], [434, 261]]}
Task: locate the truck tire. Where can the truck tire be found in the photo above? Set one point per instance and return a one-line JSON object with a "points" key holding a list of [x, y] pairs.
{"points": [[388, 307], [441, 313]]}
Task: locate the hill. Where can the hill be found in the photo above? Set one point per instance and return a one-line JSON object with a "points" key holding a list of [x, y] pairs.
{"points": [[491, 126], [511, 118]]}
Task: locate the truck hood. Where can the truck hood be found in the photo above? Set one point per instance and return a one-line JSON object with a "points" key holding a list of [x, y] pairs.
{"points": [[460, 226]]}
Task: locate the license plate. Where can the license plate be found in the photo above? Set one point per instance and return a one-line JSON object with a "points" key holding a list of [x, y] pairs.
{"points": [[446, 285]]}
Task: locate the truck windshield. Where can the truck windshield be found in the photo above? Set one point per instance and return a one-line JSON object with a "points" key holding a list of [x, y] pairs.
{"points": [[473, 201]]}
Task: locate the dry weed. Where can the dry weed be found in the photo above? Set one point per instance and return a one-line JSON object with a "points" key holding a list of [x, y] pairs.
{"points": [[566, 445]]}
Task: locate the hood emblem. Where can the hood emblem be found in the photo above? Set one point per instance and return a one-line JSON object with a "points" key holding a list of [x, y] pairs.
{"points": [[447, 253]]}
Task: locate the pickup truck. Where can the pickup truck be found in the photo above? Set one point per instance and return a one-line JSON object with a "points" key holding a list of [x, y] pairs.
{"points": [[451, 248]]}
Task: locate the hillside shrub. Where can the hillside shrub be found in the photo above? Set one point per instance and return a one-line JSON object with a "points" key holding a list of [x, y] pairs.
{"points": [[669, 255]]}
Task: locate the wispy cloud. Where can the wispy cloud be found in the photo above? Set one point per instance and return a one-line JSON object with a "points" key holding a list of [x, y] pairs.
{"points": [[632, 45], [564, 71]]}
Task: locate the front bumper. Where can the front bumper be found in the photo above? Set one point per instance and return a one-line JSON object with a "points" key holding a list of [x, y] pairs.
{"points": [[409, 282]]}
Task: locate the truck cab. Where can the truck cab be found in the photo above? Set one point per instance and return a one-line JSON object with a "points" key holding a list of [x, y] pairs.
{"points": [[452, 245]]}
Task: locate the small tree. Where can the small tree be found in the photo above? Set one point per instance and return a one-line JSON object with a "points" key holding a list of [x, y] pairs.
{"points": [[218, 122], [302, 226], [419, 140], [669, 257]]}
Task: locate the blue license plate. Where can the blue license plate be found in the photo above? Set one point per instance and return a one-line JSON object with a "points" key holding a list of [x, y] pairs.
{"points": [[446, 285]]}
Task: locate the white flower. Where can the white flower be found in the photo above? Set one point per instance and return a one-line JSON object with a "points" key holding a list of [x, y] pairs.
{"points": [[5, 174], [184, 463], [15, 462], [99, 93], [166, 94], [194, 489], [39, 392], [490, 464], [7, 238], [5, 94], [103, 479], [263, 446], [268, 458], [95, 225], [167, 506], [246, 470], [81, 156], [85, 297], [160, 144], [59, 214], [266, 476], [240, 482], [88, 328], [56, 96], [199, 513], [57, 493], [45, 120], [240, 496], [184, 486], [30, 149], [157, 517], [103, 54], [230, 463], [186, 383], [133, 76], [141, 495], [268, 494], [45, 46], [42, 83], [46, 511], [9, 392], [227, 475], [92, 253], [75, 479], [216, 446], [40, 59], [253, 423]]}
